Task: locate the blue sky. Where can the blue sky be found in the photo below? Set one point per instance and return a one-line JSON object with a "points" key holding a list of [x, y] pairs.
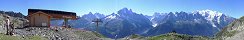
{"points": [[232, 8]]}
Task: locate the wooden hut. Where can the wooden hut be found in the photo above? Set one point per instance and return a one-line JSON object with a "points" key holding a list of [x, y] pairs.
{"points": [[41, 17]]}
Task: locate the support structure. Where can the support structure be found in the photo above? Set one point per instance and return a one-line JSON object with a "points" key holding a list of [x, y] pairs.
{"points": [[97, 21], [66, 23]]}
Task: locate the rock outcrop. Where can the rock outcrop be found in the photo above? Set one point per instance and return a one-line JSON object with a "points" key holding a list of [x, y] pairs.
{"points": [[234, 31]]}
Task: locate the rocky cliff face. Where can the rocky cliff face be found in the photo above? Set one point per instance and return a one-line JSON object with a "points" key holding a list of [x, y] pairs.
{"points": [[234, 31]]}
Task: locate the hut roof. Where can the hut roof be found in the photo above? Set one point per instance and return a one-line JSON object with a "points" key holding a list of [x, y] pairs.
{"points": [[52, 12]]}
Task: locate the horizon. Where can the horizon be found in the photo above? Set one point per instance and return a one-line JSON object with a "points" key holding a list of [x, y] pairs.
{"points": [[231, 8]]}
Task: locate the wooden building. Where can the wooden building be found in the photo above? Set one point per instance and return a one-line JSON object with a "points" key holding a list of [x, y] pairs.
{"points": [[41, 18]]}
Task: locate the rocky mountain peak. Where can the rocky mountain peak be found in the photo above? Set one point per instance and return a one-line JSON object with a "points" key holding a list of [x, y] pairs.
{"points": [[208, 12], [125, 11]]}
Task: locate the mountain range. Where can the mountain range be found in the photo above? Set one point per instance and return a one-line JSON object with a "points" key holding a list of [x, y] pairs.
{"points": [[126, 22], [203, 23]]}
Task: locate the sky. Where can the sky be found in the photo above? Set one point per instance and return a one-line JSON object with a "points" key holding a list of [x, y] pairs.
{"points": [[233, 8]]}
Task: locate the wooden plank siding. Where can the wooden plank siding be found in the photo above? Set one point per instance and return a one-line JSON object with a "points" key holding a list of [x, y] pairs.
{"points": [[38, 17]]}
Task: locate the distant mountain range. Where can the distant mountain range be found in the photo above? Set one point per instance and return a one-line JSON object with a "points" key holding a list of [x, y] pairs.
{"points": [[203, 23], [126, 22], [13, 14]]}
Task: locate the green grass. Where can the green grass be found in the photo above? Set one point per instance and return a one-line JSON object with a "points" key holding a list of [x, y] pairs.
{"points": [[95, 34], [7, 37], [231, 33], [99, 35], [167, 37], [174, 36], [242, 18], [134, 36]]}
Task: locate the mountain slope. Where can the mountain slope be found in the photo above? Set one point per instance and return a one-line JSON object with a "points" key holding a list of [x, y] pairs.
{"points": [[234, 31]]}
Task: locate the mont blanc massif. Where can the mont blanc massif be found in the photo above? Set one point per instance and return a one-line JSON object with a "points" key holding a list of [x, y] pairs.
{"points": [[126, 22]]}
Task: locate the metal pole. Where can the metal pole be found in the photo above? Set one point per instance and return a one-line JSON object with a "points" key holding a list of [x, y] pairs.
{"points": [[65, 22]]}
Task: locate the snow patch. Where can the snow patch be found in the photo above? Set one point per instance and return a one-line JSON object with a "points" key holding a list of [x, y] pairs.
{"points": [[175, 14], [209, 13], [219, 19], [111, 17], [152, 18], [96, 16], [210, 16], [197, 21], [154, 25], [213, 24], [217, 28]]}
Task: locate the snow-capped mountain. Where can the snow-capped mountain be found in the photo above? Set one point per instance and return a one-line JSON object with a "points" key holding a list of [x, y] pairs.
{"points": [[112, 16], [92, 16], [126, 22], [204, 22], [85, 21], [121, 24]]}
